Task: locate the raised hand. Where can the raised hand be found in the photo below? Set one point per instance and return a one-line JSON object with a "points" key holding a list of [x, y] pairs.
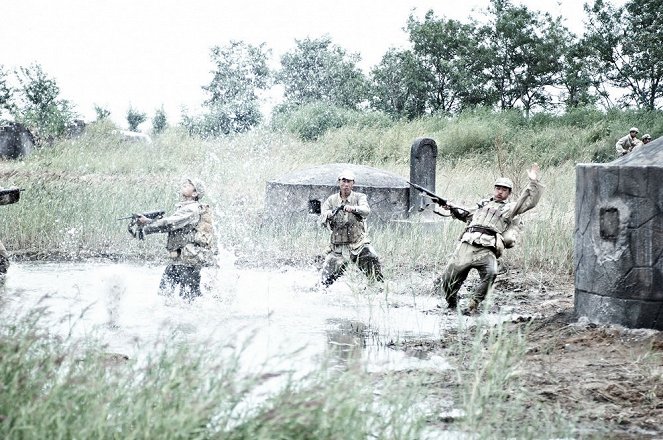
{"points": [[533, 172]]}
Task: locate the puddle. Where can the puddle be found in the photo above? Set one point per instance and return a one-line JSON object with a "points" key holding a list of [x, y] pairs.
{"points": [[277, 311]]}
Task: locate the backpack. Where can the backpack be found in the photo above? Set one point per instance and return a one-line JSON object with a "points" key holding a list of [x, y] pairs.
{"points": [[203, 249]]}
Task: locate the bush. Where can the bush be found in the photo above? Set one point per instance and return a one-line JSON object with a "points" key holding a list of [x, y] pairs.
{"points": [[310, 121]]}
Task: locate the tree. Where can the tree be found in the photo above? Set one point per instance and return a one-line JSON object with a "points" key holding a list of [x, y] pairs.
{"points": [[159, 121], [240, 71], [399, 85], [627, 47], [447, 51], [318, 70], [6, 93], [135, 118], [102, 112], [523, 50], [580, 86], [39, 103]]}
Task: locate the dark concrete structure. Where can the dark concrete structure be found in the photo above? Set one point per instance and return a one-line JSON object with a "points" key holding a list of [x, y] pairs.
{"points": [[619, 239], [423, 160], [16, 141], [296, 194]]}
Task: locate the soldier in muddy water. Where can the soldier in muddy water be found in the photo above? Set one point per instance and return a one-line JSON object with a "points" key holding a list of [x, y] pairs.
{"points": [[191, 242], [492, 226], [345, 213]]}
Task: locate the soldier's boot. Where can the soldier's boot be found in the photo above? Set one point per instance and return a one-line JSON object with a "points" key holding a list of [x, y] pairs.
{"points": [[472, 307], [4, 265]]}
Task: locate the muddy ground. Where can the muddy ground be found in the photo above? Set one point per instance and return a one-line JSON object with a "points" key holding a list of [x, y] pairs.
{"points": [[607, 379]]}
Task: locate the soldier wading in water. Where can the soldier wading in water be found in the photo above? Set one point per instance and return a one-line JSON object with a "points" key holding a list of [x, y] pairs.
{"points": [[492, 227], [191, 241], [344, 213]]}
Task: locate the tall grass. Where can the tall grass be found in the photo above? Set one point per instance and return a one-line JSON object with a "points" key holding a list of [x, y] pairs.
{"points": [[495, 403], [77, 188], [63, 388]]}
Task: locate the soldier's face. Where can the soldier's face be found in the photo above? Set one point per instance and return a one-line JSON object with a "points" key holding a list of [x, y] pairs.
{"points": [[346, 186], [634, 134], [501, 193], [187, 191]]}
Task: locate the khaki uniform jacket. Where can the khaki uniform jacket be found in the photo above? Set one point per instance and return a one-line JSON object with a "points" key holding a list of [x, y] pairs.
{"points": [[180, 227], [497, 217], [626, 144], [358, 235]]}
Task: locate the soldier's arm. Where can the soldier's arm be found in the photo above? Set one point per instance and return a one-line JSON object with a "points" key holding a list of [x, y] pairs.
{"points": [[179, 219], [362, 208], [531, 195]]}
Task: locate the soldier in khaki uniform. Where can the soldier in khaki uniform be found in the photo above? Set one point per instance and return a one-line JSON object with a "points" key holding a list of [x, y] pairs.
{"points": [[191, 241], [628, 142], [344, 213], [4, 261], [490, 230]]}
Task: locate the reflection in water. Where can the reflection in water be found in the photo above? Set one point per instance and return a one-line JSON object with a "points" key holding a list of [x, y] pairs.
{"points": [[276, 311], [346, 341]]}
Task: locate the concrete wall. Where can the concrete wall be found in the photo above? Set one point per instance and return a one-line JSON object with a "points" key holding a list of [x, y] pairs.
{"points": [[618, 250]]}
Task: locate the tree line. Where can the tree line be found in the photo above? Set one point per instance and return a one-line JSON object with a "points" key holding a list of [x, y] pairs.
{"points": [[508, 57]]}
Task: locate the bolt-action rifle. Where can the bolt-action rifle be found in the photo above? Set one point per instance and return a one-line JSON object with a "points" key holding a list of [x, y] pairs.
{"points": [[134, 228], [437, 199], [10, 195]]}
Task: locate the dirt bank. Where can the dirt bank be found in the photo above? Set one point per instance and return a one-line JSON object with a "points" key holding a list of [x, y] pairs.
{"points": [[607, 379]]}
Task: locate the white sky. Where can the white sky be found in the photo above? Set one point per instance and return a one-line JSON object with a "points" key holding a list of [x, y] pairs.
{"points": [[149, 53]]}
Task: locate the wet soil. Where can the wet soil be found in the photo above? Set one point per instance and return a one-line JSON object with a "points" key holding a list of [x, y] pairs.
{"points": [[607, 379]]}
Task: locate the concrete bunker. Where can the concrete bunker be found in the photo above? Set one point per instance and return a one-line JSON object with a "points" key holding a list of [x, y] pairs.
{"points": [[618, 251], [300, 194]]}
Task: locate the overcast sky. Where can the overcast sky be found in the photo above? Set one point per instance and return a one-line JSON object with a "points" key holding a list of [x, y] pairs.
{"points": [[149, 53]]}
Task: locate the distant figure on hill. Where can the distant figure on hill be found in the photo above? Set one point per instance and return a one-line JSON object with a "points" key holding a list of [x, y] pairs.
{"points": [[492, 226], [191, 241], [344, 213], [646, 138], [626, 144]]}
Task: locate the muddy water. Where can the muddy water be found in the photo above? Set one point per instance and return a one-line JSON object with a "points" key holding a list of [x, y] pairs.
{"points": [[276, 314]]}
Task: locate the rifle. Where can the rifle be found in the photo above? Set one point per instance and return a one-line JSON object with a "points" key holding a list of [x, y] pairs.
{"points": [[10, 195], [437, 199], [154, 215]]}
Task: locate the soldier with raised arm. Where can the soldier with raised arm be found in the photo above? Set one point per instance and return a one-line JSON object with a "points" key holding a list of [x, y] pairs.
{"points": [[491, 227]]}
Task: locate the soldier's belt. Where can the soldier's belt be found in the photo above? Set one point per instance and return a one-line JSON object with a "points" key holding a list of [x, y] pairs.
{"points": [[482, 230]]}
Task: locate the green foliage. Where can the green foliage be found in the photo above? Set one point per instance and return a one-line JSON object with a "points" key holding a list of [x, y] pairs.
{"points": [[159, 121], [60, 387], [625, 45], [449, 53], [102, 112], [233, 106], [318, 70], [135, 118], [310, 121], [39, 105], [399, 85], [6, 92]]}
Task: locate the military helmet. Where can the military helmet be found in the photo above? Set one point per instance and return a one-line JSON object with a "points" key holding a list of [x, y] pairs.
{"points": [[347, 175], [634, 129], [504, 181], [646, 136]]}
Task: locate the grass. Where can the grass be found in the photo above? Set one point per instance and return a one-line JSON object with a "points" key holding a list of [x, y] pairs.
{"points": [[63, 388]]}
